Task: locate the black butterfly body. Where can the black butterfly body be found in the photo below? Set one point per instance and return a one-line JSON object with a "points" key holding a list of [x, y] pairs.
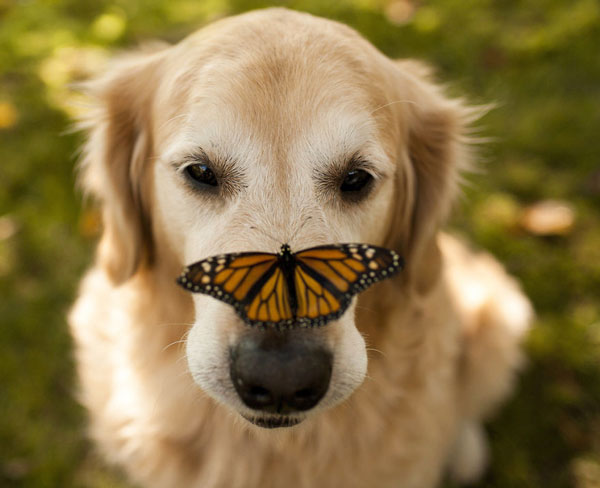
{"points": [[307, 288]]}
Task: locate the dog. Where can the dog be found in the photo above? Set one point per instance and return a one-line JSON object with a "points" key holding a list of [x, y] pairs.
{"points": [[261, 129]]}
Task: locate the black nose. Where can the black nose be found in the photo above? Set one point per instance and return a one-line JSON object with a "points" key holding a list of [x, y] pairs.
{"points": [[280, 372]]}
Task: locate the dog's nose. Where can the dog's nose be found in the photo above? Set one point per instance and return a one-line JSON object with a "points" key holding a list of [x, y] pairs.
{"points": [[278, 372]]}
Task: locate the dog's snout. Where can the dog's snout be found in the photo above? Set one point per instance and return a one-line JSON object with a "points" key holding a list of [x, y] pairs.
{"points": [[280, 373]]}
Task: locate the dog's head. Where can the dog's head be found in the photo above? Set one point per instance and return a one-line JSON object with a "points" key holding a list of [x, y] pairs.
{"points": [[268, 128]]}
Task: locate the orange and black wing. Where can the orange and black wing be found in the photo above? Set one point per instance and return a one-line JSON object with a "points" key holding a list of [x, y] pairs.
{"points": [[326, 278], [252, 283]]}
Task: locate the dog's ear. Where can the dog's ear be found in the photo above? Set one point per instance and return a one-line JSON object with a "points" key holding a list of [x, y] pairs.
{"points": [[114, 164], [434, 151]]}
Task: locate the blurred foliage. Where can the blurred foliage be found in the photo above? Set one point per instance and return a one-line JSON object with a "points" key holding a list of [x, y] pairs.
{"points": [[539, 61]]}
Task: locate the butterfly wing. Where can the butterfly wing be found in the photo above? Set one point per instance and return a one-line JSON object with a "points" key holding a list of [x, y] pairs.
{"points": [[270, 305], [253, 283], [327, 278]]}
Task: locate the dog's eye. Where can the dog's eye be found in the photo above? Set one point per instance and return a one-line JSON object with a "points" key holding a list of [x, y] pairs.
{"points": [[201, 174], [356, 182]]}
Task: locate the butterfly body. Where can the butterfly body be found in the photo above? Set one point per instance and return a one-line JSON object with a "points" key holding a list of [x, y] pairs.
{"points": [[307, 288], [287, 264]]}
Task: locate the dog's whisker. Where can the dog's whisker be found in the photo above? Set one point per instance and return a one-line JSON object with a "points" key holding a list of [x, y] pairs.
{"points": [[176, 378], [176, 324], [180, 341], [372, 349], [182, 358]]}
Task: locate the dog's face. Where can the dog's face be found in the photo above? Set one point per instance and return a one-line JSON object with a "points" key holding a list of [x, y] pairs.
{"points": [[254, 159], [264, 130]]}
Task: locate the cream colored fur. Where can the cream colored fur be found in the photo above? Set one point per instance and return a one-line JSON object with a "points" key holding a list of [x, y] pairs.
{"points": [[281, 97]]}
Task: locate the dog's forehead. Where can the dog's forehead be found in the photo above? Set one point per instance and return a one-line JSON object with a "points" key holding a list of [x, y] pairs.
{"points": [[257, 91], [266, 108]]}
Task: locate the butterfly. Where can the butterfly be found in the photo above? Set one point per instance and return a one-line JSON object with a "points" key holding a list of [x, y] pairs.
{"points": [[307, 288]]}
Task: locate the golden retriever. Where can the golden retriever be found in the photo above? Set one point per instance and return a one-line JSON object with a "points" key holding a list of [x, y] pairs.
{"points": [[227, 142]]}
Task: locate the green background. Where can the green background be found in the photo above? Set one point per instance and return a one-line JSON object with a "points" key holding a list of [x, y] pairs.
{"points": [[539, 61]]}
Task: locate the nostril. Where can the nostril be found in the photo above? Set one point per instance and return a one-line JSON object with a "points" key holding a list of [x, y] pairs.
{"points": [[252, 394], [260, 395], [316, 386], [304, 393], [304, 399]]}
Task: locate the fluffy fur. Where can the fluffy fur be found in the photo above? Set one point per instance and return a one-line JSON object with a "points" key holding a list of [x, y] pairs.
{"points": [[280, 100]]}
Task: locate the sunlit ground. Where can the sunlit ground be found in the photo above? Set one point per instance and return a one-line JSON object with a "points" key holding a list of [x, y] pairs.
{"points": [[535, 204]]}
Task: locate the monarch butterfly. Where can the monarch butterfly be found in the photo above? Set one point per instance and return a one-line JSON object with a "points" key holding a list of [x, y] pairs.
{"points": [[307, 288]]}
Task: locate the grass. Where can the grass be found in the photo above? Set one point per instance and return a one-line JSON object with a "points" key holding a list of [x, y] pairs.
{"points": [[537, 60]]}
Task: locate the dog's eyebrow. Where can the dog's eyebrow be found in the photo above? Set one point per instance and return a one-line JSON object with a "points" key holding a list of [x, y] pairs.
{"points": [[197, 155], [332, 173], [225, 168], [336, 168]]}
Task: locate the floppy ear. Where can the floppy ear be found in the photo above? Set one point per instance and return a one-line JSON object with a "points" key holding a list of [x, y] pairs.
{"points": [[435, 150], [118, 148]]}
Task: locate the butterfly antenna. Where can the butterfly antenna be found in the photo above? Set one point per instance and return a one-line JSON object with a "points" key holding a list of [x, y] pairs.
{"points": [[277, 241], [299, 228]]}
